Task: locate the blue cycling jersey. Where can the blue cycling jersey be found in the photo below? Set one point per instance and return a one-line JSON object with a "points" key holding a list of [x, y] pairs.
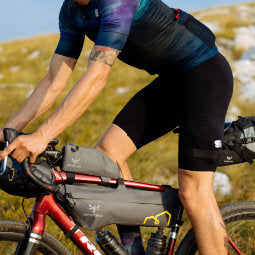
{"points": [[149, 34]]}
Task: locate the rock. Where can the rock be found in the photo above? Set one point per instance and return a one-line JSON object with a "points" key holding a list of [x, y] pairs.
{"points": [[222, 184], [214, 26], [29, 93], [122, 90], [245, 12], [225, 43], [24, 50], [244, 72], [35, 54], [249, 55], [233, 113], [14, 69], [245, 37]]}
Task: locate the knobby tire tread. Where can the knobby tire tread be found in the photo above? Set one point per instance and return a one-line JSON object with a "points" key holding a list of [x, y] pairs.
{"points": [[15, 231]]}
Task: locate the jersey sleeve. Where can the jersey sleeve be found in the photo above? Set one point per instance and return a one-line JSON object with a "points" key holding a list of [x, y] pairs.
{"points": [[71, 41], [116, 21]]}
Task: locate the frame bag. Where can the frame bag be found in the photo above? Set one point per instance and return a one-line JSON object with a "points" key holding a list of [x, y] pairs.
{"points": [[79, 159], [239, 142], [95, 206]]}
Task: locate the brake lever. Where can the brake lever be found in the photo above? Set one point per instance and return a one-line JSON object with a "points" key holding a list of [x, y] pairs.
{"points": [[4, 164], [9, 135], [2, 146]]}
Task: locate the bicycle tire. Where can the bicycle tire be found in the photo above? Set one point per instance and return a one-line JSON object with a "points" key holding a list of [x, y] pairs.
{"points": [[231, 213], [14, 232]]}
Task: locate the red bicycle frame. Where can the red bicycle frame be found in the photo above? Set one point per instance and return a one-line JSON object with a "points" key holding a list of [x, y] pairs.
{"points": [[46, 205]]}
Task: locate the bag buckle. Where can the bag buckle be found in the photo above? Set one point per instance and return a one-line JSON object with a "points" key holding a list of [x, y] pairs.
{"points": [[247, 140]]}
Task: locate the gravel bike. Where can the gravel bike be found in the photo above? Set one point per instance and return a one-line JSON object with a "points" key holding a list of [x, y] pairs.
{"points": [[30, 237]]}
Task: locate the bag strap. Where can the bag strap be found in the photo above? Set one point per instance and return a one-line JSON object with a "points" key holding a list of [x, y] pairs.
{"points": [[244, 153], [245, 140]]}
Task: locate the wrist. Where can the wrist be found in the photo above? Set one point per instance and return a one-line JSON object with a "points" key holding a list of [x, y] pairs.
{"points": [[44, 134]]}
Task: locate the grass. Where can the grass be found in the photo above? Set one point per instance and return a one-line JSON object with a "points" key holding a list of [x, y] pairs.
{"points": [[155, 163]]}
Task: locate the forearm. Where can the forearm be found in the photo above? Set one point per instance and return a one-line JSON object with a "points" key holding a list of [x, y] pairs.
{"points": [[45, 93], [39, 102], [74, 105]]}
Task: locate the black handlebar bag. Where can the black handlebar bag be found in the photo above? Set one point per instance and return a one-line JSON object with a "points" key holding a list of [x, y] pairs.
{"points": [[15, 182], [239, 142], [95, 206]]}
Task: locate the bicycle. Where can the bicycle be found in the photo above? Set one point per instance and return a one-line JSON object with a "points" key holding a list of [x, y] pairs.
{"points": [[30, 237]]}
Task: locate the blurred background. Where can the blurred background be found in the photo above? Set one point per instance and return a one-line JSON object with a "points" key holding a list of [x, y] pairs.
{"points": [[28, 38], [22, 18]]}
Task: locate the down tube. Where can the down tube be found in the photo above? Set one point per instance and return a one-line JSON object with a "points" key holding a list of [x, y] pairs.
{"points": [[71, 230]]}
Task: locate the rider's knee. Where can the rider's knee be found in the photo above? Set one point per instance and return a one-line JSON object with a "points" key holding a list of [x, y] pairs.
{"points": [[193, 201], [108, 151], [195, 195]]}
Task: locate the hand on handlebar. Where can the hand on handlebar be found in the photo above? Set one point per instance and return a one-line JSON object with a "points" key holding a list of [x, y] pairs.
{"points": [[25, 146]]}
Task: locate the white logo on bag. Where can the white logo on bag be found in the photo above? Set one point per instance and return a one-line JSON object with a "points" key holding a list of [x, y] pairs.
{"points": [[75, 161], [94, 208], [229, 159]]}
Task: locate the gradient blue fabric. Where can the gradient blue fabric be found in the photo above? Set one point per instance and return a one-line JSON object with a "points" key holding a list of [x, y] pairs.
{"points": [[147, 33]]}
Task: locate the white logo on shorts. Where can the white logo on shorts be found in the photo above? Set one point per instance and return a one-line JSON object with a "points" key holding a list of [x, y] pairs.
{"points": [[218, 143]]}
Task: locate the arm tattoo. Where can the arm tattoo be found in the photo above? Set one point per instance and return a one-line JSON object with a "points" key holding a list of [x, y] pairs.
{"points": [[104, 54]]}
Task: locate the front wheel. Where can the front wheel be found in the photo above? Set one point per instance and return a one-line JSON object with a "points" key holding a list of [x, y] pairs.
{"points": [[240, 223], [13, 232]]}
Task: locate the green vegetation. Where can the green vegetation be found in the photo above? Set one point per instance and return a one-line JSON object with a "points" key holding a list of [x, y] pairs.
{"points": [[23, 63]]}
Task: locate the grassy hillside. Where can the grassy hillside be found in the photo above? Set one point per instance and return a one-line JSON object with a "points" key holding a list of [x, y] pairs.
{"points": [[24, 62]]}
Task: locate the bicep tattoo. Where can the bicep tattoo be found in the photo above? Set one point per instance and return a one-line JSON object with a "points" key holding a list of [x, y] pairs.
{"points": [[104, 54]]}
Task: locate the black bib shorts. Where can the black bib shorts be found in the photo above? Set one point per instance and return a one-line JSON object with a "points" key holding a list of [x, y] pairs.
{"points": [[196, 101]]}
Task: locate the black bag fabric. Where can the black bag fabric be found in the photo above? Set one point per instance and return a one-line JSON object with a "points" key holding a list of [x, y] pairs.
{"points": [[89, 161], [15, 182], [94, 206], [239, 142]]}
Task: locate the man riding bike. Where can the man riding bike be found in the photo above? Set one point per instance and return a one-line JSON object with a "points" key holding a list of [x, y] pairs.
{"points": [[192, 91]]}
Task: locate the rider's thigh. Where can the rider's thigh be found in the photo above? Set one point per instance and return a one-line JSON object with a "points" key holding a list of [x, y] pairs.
{"points": [[116, 144]]}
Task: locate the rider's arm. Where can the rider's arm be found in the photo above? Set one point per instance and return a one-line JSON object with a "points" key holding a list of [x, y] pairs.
{"points": [[116, 18], [45, 93], [82, 94]]}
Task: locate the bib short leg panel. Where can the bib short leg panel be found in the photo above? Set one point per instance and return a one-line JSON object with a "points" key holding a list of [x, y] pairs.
{"points": [[208, 90], [152, 112], [196, 100]]}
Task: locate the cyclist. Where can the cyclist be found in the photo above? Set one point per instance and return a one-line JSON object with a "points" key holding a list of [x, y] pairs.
{"points": [[192, 91]]}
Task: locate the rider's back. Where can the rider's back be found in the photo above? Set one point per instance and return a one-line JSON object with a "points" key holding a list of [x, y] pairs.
{"points": [[149, 34]]}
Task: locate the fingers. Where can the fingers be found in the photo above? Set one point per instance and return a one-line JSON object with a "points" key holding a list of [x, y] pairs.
{"points": [[19, 150], [8, 150], [20, 155], [29, 146], [32, 158]]}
